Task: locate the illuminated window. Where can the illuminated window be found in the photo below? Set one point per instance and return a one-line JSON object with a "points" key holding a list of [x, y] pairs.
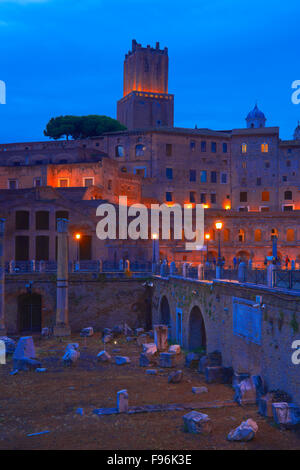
{"points": [[290, 235], [241, 235], [226, 235], [212, 234], [264, 148], [257, 235], [63, 182], [265, 196], [88, 182], [244, 148]]}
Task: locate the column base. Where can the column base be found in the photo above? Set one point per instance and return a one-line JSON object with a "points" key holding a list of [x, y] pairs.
{"points": [[61, 330]]}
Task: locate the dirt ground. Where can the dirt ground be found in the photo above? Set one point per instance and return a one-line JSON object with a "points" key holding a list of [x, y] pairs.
{"points": [[32, 402]]}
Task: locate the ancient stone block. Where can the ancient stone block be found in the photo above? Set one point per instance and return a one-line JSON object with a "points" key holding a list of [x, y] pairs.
{"points": [[286, 413], [25, 348], [145, 359], [26, 364], [141, 339], [120, 360], [10, 344], [139, 331], [167, 359], [245, 392], [103, 356], [72, 354], [87, 331], [45, 332], [265, 405], [161, 337], [244, 432], [107, 339], [192, 360], [175, 348], [199, 390], [239, 377], [149, 348], [122, 401], [195, 422], [218, 374], [175, 377]]}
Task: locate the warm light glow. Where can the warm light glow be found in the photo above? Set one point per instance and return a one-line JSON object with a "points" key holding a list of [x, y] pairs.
{"points": [[154, 236], [227, 207], [219, 225], [207, 236], [77, 236], [189, 206], [206, 206]]}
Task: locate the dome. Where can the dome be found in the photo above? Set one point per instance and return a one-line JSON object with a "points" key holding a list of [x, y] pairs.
{"points": [[256, 118], [297, 132]]}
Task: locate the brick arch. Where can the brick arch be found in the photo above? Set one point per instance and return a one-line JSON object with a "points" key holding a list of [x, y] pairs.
{"points": [[196, 322], [165, 315]]}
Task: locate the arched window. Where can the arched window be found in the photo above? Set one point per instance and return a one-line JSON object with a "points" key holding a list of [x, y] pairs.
{"points": [[290, 235], [226, 235], [241, 235], [139, 150], [257, 235], [288, 195], [119, 151]]}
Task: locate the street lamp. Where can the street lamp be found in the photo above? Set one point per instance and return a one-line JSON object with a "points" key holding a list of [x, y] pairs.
{"points": [[207, 238], [155, 251], [219, 226], [77, 238]]}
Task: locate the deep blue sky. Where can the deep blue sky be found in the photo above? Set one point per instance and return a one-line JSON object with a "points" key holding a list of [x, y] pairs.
{"points": [[66, 57]]}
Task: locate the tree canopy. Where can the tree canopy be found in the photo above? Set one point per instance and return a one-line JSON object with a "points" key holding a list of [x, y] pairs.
{"points": [[81, 127]]}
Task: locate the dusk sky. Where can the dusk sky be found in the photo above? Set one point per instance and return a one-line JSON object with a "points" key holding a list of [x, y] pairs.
{"points": [[66, 57]]}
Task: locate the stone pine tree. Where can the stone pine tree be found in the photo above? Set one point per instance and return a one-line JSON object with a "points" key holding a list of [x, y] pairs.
{"points": [[81, 127]]}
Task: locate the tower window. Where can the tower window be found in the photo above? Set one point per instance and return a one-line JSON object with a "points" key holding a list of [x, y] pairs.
{"points": [[168, 150], [192, 145], [213, 147], [244, 148], [225, 147], [264, 148], [203, 146]]}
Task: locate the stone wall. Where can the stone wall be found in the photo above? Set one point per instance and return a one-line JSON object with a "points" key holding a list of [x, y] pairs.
{"points": [[93, 301], [280, 326]]}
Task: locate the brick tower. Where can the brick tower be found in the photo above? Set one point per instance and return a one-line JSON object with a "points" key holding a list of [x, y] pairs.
{"points": [[146, 102]]}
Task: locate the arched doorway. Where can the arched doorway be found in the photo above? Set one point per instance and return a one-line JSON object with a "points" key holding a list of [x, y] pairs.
{"points": [[243, 256], [30, 312], [165, 315], [197, 333]]}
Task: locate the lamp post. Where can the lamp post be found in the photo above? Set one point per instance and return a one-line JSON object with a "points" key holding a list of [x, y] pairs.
{"points": [[77, 238], [207, 238], [219, 226], [155, 251]]}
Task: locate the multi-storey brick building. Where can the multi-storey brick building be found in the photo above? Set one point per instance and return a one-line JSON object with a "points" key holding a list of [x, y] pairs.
{"points": [[247, 177]]}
